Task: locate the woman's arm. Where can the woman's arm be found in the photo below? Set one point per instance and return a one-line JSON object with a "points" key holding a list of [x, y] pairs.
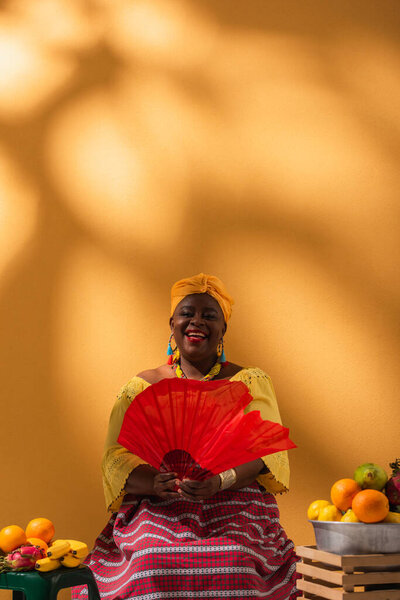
{"points": [[276, 478], [118, 462], [247, 473]]}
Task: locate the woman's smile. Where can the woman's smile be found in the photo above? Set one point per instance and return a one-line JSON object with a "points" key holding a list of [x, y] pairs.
{"points": [[195, 336]]}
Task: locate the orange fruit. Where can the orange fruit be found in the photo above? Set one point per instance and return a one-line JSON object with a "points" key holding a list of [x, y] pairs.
{"points": [[329, 513], [12, 537], [40, 528], [370, 506], [38, 542], [315, 507], [343, 492]]}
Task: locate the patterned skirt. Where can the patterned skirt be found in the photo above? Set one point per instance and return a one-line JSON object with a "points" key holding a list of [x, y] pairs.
{"points": [[229, 546]]}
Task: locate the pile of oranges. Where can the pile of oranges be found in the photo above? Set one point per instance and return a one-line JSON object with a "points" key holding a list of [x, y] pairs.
{"points": [[350, 503], [38, 532]]}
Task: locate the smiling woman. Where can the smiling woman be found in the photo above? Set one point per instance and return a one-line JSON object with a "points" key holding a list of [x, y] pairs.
{"points": [[213, 538], [198, 327]]}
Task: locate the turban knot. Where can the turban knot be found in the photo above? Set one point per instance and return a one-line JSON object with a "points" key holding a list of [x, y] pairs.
{"points": [[202, 284]]}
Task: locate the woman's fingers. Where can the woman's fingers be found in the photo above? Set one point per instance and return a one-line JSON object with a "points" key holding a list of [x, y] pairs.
{"points": [[166, 476], [194, 492], [168, 480], [192, 483], [194, 487], [166, 484], [199, 490], [170, 495], [192, 497]]}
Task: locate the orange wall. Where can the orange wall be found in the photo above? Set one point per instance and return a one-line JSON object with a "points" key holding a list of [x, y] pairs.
{"points": [[145, 141]]}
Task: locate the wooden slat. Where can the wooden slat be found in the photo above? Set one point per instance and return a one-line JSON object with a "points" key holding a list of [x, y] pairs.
{"points": [[313, 553], [340, 594], [320, 573], [375, 595], [342, 579], [310, 597], [371, 560], [320, 590], [321, 565], [349, 560], [371, 578]]}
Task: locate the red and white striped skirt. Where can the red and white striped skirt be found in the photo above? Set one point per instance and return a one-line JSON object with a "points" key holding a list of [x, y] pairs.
{"points": [[230, 546]]}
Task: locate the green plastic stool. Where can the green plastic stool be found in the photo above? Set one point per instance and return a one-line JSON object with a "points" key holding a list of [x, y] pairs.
{"points": [[32, 585]]}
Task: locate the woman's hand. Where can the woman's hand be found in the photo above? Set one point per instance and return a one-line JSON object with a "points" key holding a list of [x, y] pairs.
{"points": [[199, 490], [165, 485]]}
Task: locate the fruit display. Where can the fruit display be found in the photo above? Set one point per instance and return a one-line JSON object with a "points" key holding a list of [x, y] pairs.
{"points": [[369, 497], [36, 549]]}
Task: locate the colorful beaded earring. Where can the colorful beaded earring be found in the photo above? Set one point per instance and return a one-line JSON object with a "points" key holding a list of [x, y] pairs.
{"points": [[176, 356], [172, 353], [221, 352]]}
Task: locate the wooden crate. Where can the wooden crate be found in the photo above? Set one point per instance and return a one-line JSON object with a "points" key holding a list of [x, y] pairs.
{"points": [[353, 577]]}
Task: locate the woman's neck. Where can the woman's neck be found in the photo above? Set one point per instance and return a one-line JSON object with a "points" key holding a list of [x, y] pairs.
{"points": [[197, 370]]}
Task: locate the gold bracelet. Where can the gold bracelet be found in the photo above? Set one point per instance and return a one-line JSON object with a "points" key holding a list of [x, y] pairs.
{"points": [[228, 478]]}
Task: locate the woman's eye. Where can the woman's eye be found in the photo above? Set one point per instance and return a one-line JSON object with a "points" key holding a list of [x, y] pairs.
{"points": [[210, 316], [185, 313]]}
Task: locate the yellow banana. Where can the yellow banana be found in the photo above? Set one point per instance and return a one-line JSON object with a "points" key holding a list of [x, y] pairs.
{"points": [[70, 561], [58, 549], [78, 549], [393, 517], [47, 564]]}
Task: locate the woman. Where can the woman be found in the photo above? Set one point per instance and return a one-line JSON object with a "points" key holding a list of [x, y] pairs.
{"points": [[218, 538]]}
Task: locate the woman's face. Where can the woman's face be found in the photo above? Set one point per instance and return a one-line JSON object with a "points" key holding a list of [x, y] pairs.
{"points": [[198, 325]]}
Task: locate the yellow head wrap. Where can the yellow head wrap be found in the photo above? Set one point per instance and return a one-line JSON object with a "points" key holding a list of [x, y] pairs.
{"points": [[202, 284]]}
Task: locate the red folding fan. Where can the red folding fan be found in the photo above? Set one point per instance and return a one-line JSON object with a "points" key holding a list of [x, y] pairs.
{"points": [[198, 429]]}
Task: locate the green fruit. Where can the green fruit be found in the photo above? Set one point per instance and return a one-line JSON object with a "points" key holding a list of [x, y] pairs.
{"points": [[371, 476]]}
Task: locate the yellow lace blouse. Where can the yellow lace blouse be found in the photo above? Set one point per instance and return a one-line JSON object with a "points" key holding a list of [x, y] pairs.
{"points": [[118, 462]]}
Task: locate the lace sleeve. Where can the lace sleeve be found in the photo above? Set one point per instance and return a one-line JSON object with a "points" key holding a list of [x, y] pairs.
{"points": [[264, 400], [118, 462]]}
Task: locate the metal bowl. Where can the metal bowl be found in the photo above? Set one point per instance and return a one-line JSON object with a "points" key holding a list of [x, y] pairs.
{"points": [[357, 538]]}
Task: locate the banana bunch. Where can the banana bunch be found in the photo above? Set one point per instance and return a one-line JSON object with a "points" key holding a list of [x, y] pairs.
{"points": [[66, 553]]}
